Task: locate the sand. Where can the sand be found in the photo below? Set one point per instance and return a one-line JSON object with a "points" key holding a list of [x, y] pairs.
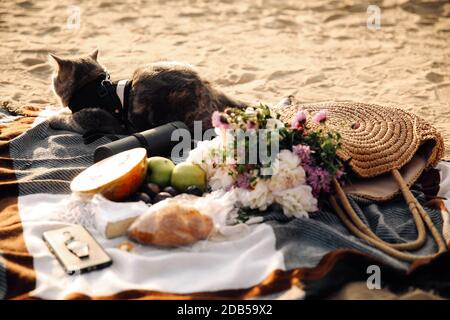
{"points": [[256, 51]]}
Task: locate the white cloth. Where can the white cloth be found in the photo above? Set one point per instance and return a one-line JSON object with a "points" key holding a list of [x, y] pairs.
{"points": [[236, 263]]}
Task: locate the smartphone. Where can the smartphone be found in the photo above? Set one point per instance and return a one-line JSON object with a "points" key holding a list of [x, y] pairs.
{"points": [[76, 250]]}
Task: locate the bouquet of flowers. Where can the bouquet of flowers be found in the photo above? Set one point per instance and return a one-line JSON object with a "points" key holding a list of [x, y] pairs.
{"points": [[264, 161]]}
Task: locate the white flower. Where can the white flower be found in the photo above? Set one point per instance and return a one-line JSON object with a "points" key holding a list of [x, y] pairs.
{"points": [[202, 150], [258, 198], [288, 185], [296, 201], [250, 111], [285, 160], [286, 172], [220, 179], [220, 132], [206, 155], [287, 179]]}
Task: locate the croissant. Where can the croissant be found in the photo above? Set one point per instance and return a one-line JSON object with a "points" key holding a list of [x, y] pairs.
{"points": [[173, 225]]}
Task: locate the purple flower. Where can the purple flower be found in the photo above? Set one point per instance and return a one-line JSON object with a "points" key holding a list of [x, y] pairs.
{"points": [[320, 116], [298, 119], [318, 178], [219, 120], [243, 181], [303, 152]]}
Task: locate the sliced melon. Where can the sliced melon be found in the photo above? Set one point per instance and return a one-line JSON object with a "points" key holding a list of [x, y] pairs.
{"points": [[116, 177]]}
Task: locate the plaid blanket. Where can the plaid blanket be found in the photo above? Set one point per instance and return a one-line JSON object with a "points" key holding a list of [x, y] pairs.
{"points": [[280, 258]]}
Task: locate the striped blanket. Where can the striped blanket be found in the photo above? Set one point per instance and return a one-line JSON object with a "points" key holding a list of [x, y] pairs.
{"points": [[279, 258]]}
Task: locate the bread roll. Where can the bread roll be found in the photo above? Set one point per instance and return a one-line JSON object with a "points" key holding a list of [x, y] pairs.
{"points": [[172, 225]]}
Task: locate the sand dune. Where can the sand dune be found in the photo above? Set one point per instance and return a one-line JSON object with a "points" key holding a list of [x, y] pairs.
{"points": [[254, 50]]}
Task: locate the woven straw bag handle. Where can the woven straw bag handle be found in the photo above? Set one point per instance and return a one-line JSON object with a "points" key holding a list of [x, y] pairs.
{"points": [[358, 228]]}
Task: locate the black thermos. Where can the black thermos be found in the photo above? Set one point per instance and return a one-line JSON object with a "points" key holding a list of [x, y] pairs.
{"points": [[157, 141]]}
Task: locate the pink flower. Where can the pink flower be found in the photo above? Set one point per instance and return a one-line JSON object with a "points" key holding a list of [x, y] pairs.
{"points": [[318, 178], [298, 119], [219, 120], [251, 124], [320, 116], [243, 181], [303, 152]]}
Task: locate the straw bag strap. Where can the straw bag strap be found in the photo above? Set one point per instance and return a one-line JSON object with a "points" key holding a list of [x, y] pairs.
{"points": [[409, 197], [357, 226], [421, 232], [374, 242]]}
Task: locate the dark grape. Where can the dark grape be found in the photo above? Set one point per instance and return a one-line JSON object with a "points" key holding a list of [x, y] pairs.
{"points": [[139, 196], [161, 196], [194, 190], [152, 189], [142, 196], [170, 190]]}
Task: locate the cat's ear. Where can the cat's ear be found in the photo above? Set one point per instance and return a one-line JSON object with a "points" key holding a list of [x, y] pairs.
{"points": [[61, 63], [94, 54]]}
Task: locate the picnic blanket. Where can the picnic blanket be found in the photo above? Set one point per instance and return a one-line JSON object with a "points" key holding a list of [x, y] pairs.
{"points": [[279, 258]]}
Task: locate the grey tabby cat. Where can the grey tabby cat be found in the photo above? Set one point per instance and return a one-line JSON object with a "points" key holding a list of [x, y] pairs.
{"points": [[157, 94]]}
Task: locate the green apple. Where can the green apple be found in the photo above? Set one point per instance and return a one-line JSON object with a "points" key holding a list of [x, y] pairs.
{"points": [[187, 174], [160, 171]]}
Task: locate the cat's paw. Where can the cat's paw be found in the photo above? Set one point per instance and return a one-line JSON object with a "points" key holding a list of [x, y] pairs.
{"points": [[63, 111], [65, 122]]}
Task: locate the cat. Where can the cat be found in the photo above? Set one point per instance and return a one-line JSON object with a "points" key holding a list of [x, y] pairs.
{"points": [[159, 93]]}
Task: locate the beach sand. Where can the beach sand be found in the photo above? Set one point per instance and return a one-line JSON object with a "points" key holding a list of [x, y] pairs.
{"points": [[255, 51]]}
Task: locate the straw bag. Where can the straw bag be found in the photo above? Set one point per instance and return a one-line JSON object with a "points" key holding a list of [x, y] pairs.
{"points": [[387, 150]]}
